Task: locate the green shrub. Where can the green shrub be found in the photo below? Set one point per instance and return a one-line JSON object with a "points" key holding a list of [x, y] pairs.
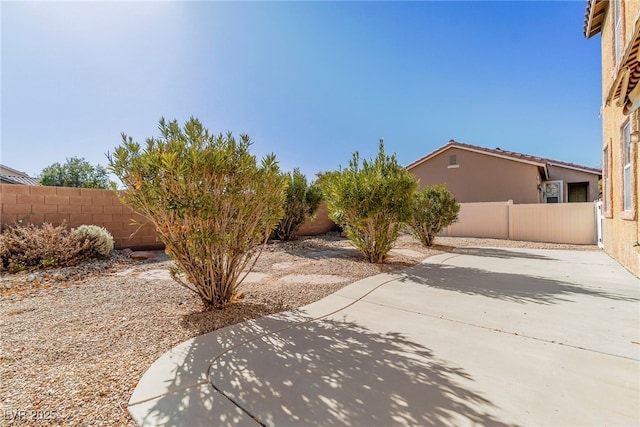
{"points": [[370, 202], [301, 202], [27, 246], [212, 204], [75, 172], [101, 240], [434, 208]]}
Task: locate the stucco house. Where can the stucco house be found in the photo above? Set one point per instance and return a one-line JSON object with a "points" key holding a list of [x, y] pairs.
{"points": [[618, 23], [478, 174], [12, 176]]}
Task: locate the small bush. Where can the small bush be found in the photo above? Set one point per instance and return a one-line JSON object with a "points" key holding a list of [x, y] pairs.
{"points": [[101, 240], [27, 246], [302, 201], [434, 208], [370, 201]]}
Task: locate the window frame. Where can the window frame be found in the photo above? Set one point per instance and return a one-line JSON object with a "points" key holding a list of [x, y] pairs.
{"points": [[606, 181], [627, 175], [560, 191], [617, 30]]}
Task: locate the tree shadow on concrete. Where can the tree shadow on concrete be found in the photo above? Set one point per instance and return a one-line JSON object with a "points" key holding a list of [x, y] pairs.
{"points": [[518, 288], [324, 372], [500, 253], [329, 372], [176, 390]]}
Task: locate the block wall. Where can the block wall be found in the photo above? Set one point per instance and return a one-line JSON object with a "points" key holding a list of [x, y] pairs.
{"points": [[75, 207], [78, 206]]}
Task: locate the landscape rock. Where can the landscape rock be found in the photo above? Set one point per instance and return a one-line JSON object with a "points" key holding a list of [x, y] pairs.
{"points": [[141, 255]]}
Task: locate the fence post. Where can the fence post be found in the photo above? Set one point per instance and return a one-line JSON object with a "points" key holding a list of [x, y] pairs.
{"points": [[510, 219]]}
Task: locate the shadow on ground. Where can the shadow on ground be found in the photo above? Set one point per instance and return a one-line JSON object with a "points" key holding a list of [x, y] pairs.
{"points": [[202, 322], [505, 286], [325, 372], [500, 253], [337, 373]]}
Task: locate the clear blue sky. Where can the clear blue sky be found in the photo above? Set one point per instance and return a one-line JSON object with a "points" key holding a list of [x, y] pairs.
{"points": [[311, 82]]}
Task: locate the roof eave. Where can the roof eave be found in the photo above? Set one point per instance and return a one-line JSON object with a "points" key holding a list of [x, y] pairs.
{"points": [[594, 17], [577, 168]]}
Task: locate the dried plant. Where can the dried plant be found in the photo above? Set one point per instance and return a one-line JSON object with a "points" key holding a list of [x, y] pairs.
{"points": [[41, 246], [101, 240]]}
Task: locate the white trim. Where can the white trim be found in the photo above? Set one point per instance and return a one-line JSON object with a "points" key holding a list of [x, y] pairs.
{"points": [[453, 166]]}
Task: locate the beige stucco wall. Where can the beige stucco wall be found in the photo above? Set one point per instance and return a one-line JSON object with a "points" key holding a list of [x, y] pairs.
{"points": [[621, 229], [480, 177], [569, 176]]}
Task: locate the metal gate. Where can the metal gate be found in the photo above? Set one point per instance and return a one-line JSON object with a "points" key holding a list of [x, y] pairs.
{"points": [[599, 223]]}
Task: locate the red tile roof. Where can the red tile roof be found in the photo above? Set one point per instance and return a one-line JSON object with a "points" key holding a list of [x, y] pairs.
{"points": [[540, 161]]}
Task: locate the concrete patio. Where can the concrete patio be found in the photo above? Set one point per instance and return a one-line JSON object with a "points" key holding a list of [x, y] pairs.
{"points": [[481, 336]]}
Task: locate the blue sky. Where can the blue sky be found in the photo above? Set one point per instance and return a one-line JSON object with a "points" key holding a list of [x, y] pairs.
{"points": [[310, 82]]}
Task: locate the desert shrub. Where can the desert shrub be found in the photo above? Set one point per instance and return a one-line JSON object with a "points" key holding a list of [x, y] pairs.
{"points": [[28, 246], [212, 204], [101, 240], [301, 202], [370, 201], [434, 208]]}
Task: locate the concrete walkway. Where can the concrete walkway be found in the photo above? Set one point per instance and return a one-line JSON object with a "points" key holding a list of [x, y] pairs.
{"points": [[477, 337]]}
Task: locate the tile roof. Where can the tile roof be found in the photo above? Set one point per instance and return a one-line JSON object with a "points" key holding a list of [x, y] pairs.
{"points": [[594, 17], [20, 180], [540, 161]]}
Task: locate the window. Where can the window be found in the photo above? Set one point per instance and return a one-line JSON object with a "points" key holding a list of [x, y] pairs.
{"points": [[553, 192], [626, 167], [617, 30], [578, 192], [605, 180], [453, 161]]}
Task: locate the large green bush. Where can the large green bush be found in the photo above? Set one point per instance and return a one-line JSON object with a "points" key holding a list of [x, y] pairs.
{"points": [[370, 201], [75, 172], [434, 208], [212, 204], [300, 204]]}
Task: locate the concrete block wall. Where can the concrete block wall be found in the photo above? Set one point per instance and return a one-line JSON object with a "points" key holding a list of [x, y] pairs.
{"points": [[78, 206], [320, 225], [75, 207]]}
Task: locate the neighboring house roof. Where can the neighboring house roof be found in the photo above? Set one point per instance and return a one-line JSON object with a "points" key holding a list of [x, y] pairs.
{"points": [[12, 176], [20, 180], [541, 162]]}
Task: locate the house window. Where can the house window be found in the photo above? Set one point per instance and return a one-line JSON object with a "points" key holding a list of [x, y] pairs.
{"points": [[617, 30], [626, 167], [605, 180], [578, 192], [553, 192]]}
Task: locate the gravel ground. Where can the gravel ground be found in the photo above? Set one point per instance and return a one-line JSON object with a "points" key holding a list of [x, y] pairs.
{"points": [[75, 341]]}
